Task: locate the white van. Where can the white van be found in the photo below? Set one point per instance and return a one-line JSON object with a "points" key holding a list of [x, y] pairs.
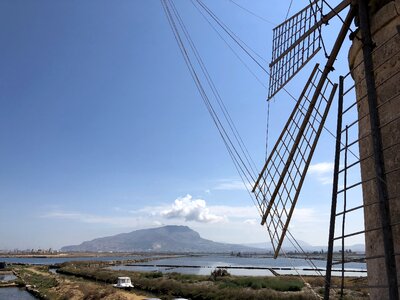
{"points": [[124, 283]]}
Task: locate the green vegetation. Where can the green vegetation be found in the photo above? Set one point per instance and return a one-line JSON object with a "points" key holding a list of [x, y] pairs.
{"points": [[45, 285], [217, 273], [278, 284], [153, 275], [93, 281], [189, 278], [38, 279], [219, 286]]}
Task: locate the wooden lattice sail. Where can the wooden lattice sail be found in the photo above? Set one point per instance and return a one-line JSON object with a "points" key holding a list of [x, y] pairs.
{"points": [[296, 41], [279, 184]]}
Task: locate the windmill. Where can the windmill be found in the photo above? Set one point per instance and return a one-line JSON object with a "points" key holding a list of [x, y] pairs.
{"points": [[277, 188], [375, 149]]}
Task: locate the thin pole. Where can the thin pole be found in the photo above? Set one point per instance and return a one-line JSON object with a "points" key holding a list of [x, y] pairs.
{"points": [[344, 206], [329, 258]]}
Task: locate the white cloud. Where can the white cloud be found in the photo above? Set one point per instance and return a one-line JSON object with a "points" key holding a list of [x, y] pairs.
{"points": [[308, 215], [63, 215], [117, 221], [225, 211], [158, 223], [183, 209], [191, 209], [235, 211], [325, 179], [224, 223], [231, 185], [250, 221], [321, 168], [323, 171]]}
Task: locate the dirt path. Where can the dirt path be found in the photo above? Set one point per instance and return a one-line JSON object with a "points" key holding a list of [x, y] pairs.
{"points": [[36, 271]]}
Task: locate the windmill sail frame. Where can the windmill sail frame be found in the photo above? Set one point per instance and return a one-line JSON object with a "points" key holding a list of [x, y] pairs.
{"points": [[296, 41], [261, 188], [279, 186]]}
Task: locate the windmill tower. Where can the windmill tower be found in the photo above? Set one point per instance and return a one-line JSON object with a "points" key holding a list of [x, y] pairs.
{"points": [[377, 47], [374, 65]]}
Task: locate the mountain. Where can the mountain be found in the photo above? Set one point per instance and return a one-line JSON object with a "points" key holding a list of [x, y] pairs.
{"points": [[162, 239]]}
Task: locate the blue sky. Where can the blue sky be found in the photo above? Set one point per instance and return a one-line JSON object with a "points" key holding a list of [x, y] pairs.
{"points": [[103, 131]]}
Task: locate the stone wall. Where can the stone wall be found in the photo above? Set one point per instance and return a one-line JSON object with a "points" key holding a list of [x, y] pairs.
{"points": [[387, 75]]}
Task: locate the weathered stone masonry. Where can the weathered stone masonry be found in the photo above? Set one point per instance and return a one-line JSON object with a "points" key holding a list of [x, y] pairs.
{"points": [[387, 75]]}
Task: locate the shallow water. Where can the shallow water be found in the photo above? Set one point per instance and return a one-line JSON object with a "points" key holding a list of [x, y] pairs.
{"points": [[228, 260], [15, 294], [7, 277], [244, 266], [204, 264], [193, 271]]}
